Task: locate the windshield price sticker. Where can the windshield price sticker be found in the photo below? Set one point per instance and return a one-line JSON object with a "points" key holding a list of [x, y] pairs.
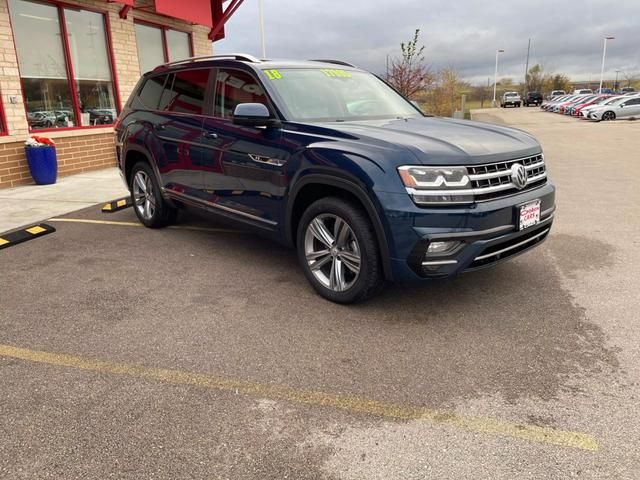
{"points": [[272, 74], [330, 72]]}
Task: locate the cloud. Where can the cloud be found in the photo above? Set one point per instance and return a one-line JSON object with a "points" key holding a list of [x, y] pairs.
{"points": [[566, 36]]}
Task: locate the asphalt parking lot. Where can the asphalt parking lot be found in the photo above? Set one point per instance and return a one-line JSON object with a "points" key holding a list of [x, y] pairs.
{"points": [[200, 351]]}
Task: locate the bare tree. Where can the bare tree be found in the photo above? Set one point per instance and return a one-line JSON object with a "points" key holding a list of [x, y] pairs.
{"points": [[409, 74], [630, 77], [535, 78], [445, 95], [558, 81]]}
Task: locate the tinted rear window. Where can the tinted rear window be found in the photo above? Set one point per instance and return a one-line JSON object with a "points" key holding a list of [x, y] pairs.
{"points": [[149, 95], [185, 91]]}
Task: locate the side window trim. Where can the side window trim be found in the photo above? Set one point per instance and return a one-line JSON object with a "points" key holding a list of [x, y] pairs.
{"points": [[170, 77], [210, 94]]}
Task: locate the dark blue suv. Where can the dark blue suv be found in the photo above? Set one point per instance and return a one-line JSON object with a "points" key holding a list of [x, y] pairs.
{"points": [[328, 158]]}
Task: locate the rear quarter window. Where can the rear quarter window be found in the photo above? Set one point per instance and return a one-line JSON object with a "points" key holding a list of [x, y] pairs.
{"points": [[148, 96]]}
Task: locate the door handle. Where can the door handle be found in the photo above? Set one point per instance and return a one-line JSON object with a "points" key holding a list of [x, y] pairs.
{"points": [[210, 135], [268, 160]]}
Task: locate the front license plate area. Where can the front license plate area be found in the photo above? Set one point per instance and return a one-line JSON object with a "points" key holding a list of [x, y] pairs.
{"points": [[529, 215]]}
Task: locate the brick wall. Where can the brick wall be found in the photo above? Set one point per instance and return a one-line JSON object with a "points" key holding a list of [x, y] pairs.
{"points": [[75, 155], [15, 118], [82, 149]]}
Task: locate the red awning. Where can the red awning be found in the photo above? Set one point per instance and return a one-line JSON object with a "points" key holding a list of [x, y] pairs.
{"points": [[209, 13], [194, 11]]}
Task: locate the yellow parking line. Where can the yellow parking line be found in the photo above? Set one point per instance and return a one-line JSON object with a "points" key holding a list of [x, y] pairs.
{"points": [[96, 222], [351, 404], [136, 224]]}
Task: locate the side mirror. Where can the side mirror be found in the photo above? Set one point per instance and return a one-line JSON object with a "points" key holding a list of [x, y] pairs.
{"points": [[254, 115]]}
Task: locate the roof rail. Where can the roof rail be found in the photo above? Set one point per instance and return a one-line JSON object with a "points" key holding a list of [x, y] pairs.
{"points": [[236, 56], [337, 62]]}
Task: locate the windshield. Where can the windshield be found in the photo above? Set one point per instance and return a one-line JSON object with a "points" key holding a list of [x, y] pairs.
{"points": [[321, 94]]}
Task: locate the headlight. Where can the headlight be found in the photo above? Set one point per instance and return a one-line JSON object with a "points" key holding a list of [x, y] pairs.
{"points": [[437, 185]]}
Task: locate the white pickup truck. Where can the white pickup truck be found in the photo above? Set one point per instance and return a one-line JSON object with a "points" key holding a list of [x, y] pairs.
{"points": [[510, 98]]}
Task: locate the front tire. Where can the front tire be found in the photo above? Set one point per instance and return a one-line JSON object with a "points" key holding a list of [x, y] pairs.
{"points": [[338, 251], [608, 116], [151, 208]]}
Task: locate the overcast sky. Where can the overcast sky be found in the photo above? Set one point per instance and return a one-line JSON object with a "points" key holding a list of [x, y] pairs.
{"points": [[566, 35]]}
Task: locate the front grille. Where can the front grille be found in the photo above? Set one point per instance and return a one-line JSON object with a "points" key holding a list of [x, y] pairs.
{"points": [[509, 248], [493, 180]]}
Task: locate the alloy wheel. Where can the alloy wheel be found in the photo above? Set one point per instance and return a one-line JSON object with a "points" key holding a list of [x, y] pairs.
{"points": [[332, 252], [608, 116], [143, 195]]}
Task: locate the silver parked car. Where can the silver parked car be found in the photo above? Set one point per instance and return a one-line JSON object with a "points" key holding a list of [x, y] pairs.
{"points": [[623, 107]]}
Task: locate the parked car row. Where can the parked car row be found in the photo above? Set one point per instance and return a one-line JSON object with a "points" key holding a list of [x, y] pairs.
{"points": [[514, 99], [579, 91], [65, 118], [596, 106]]}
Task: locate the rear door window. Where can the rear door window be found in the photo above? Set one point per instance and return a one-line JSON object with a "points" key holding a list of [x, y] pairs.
{"points": [[185, 91]]}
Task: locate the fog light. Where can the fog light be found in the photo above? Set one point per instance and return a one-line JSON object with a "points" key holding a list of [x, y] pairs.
{"points": [[442, 247]]}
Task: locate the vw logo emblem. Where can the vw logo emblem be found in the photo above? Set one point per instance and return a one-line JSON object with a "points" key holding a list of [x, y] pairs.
{"points": [[518, 176]]}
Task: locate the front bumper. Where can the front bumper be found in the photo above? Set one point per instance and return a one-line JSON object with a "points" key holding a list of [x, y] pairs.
{"points": [[487, 232]]}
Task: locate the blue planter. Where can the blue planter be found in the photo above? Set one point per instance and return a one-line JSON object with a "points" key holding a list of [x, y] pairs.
{"points": [[43, 164]]}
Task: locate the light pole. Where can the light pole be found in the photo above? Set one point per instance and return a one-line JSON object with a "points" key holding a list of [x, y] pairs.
{"points": [[495, 78], [604, 54], [261, 15]]}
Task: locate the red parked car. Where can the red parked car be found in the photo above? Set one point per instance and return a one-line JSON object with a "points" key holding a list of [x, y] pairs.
{"points": [[577, 110]]}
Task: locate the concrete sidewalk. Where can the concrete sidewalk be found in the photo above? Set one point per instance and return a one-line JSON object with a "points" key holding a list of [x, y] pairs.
{"points": [[23, 205]]}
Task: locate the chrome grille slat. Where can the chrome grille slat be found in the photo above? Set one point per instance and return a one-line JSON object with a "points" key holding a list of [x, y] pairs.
{"points": [[493, 180], [512, 247]]}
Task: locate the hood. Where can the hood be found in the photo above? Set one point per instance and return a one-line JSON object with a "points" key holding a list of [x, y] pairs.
{"points": [[441, 141]]}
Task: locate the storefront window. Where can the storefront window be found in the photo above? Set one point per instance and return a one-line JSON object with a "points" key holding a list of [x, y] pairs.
{"points": [[52, 98], [91, 69], [42, 65], [158, 45], [178, 45], [150, 48]]}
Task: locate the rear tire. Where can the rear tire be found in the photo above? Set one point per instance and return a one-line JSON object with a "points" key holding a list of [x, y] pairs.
{"points": [[151, 208], [338, 251]]}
